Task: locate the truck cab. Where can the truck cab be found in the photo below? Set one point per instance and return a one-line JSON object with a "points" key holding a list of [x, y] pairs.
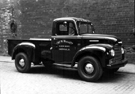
{"points": [[73, 42], [66, 37]]}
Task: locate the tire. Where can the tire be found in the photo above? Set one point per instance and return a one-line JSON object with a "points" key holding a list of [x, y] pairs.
{"points": [[89, 69], [22, 63]]}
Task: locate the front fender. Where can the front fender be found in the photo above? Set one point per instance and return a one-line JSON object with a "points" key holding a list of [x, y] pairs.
{"points": [[26, 47], [98, 52]]}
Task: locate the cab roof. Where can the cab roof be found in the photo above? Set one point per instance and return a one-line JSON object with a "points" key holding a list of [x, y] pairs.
{"points": [[71, 18]]}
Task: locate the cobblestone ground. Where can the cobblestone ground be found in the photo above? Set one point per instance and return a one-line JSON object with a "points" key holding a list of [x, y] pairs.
{"points": [[62, 81]]}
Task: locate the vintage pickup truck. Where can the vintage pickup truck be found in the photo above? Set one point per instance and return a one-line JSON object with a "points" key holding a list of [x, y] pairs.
{"points": [[73, 42]]}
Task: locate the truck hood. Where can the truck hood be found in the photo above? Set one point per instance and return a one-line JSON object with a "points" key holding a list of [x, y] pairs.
{"points": [[106, 37], [107, 46]]}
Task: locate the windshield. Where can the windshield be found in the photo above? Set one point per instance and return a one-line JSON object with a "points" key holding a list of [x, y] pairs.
{"points": [[85, 27]]}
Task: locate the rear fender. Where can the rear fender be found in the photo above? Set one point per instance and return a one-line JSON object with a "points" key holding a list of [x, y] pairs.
{"points": [[26, 47], [95, 51]]}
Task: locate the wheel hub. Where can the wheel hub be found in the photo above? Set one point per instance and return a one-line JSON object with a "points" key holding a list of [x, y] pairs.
{"points": [[89, 68], [22, 62]]}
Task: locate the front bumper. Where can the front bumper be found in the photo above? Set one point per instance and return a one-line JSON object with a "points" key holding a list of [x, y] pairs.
{"points": [[117, 63]]}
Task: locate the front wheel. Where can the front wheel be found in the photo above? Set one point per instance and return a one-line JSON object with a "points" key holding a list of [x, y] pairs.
{"points": [[89, 68], [22, 62]]}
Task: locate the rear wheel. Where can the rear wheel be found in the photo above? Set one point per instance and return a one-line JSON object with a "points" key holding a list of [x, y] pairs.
{"points": [[22, 62], [89, 68]]}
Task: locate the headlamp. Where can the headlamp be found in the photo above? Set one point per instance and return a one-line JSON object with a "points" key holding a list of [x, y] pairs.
{"points": [[112, 52], [122, 50]]}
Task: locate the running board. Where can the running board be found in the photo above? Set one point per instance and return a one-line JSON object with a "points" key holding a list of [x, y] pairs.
{"points": [[65, 65]]}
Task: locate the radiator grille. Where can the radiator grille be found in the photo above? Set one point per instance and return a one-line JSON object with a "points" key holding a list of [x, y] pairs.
{"points": [[118, 54]]}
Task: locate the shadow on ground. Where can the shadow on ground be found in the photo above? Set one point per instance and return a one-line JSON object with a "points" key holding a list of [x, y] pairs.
{"points": [[73, 74]]}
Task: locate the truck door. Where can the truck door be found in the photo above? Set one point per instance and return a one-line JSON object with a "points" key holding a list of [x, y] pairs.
{"points": [[57, 50], [64, 42], [71, 42]]}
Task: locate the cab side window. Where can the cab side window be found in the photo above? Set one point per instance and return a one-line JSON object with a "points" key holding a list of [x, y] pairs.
{"points": [[62, 28], [65, 28]]}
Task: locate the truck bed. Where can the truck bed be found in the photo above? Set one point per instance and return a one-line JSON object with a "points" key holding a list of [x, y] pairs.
{"points": [[42, 43]]}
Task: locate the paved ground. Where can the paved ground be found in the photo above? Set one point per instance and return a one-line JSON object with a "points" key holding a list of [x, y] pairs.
{"points": [[62, 81]]}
